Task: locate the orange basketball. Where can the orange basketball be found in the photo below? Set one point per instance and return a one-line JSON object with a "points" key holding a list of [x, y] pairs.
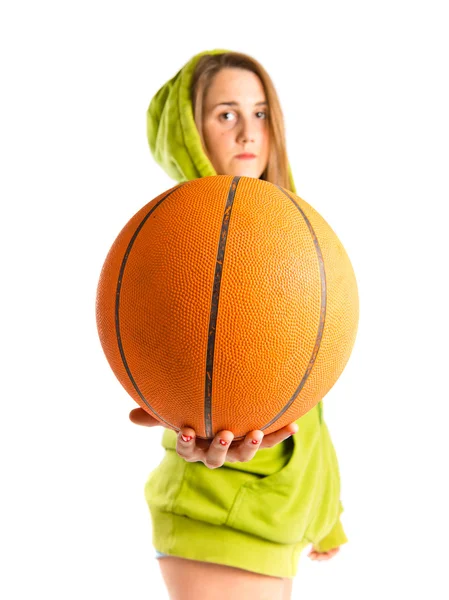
{"points": [[227, 303]]}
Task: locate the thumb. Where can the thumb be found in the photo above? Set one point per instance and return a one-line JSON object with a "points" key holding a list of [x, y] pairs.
{"points": [[141, 417]]}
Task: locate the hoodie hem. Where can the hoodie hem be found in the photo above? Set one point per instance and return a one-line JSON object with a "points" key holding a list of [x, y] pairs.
{"points": [[178, 535]]}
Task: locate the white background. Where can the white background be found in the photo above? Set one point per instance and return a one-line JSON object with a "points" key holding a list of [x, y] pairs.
{"points": [[364, 89]]}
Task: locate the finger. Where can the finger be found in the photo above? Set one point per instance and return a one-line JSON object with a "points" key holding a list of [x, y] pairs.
{"points": [[247, 448], [186, 444], [215, 456], [318, 556], [323, 555], [141, 417], [276, 437]]}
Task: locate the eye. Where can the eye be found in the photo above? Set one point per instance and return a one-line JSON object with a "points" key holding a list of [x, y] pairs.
{"points": [[223, 116], [261, 112]]}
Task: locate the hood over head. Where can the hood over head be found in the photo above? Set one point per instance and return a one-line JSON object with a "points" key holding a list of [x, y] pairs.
{"points": [[171, 129]]}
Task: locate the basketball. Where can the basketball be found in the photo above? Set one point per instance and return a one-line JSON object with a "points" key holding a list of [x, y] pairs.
{"points": [[227, 303]]}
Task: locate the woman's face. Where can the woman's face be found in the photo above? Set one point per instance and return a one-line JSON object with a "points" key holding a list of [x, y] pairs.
{"points": [[235, 114]]}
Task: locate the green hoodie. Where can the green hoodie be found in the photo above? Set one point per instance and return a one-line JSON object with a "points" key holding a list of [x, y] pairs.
{"points": [[257, 515]]}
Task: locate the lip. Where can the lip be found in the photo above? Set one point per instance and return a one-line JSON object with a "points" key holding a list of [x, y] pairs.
{"points": [[245, 156]]}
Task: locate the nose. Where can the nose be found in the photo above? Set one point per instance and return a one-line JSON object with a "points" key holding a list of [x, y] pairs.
{"points": [[246, 132], [246, 138]]}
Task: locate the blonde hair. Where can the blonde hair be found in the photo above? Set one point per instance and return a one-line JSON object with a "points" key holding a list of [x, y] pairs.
{"points": [[277, 170]]}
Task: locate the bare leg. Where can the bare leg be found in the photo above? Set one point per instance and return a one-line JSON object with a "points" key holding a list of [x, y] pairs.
{"points": [[192, 579], [288, 585]]}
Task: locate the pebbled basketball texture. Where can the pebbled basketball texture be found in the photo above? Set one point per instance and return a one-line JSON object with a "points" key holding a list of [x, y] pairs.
{"points": [[227, 303]]}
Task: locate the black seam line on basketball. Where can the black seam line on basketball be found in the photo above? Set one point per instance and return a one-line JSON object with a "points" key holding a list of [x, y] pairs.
{"points": [[322, 312], [214, 308], [117, 304]]}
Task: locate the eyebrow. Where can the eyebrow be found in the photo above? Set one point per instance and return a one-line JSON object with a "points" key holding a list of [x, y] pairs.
{"points": [[237, 104]]}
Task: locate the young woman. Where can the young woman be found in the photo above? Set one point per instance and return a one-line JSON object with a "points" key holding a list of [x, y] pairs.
{"points": [[238, 530]]}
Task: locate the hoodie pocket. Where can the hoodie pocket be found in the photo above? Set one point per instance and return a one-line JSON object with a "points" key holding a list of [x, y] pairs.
{"points": [[281, 506]]}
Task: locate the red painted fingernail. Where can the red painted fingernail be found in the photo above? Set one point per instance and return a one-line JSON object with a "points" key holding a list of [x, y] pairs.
{"points": [[186, 438], [223, 442], [255, 441]]}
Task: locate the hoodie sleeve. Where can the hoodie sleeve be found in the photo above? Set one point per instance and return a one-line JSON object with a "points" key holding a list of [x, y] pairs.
{"points": [[335, 538]]}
